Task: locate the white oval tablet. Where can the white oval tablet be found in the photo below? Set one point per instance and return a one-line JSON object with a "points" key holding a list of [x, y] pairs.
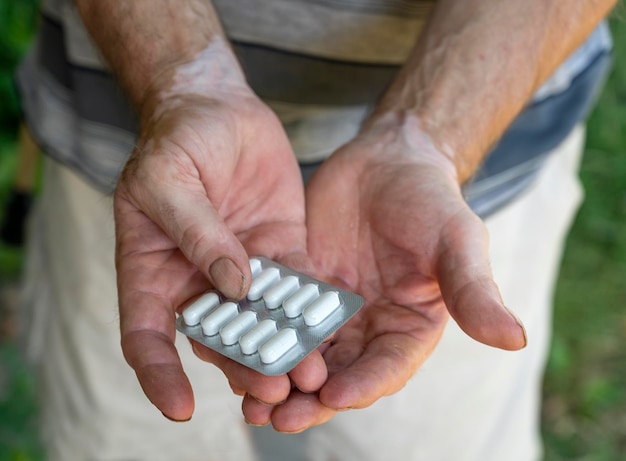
{"points": [[275, 296], [255, 266], [320, 309], [212, 323], [233, 330], [294, 305], [278, 345], [200, 307], [262, 282], [259, 334]]}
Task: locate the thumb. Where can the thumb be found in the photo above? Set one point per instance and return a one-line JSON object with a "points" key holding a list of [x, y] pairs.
{"points": [[208, 243], [469, 291], [189, 219]]}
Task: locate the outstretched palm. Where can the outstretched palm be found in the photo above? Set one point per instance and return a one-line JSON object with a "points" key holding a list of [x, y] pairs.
{"points": [[215, 180], [390, 223]]}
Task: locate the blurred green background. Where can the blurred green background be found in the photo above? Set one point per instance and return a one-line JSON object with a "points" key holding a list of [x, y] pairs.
{"points": [[584, 416]]}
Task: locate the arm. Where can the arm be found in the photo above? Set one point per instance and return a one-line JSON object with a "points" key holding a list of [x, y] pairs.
{"points": [[145, 41], [403, 236], [163, 53], [476, 65], [200, 192]]}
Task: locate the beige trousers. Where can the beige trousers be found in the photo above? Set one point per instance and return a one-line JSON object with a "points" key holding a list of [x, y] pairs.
{"points": [[469, 402]]}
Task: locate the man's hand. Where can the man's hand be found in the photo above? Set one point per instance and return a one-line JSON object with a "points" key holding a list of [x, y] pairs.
{"points": [[385, 214], [212, 180], [386, 219]]}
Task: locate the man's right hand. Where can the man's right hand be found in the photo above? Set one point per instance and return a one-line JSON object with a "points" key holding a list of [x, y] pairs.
{"points": [[213, 179]]}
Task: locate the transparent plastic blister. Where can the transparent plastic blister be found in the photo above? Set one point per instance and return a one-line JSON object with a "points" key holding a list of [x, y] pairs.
{"points": [[285, 316]]}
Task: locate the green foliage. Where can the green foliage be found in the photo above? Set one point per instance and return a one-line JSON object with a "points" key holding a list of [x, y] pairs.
{"points": [[18, 409], [584, 414], [18, 432], [17, 22]]}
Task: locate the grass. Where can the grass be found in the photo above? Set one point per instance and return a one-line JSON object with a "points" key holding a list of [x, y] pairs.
{"points": [[18, 409], [18, 432], [584, 416]]}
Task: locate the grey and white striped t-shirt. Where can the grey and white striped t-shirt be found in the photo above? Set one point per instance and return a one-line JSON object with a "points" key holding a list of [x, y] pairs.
{"points": [[320, 64]]}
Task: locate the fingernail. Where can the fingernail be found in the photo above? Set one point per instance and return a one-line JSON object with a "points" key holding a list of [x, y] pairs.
{"points": [[265, 403], [520, 324], [255, 424], [227, 278], [176, 420]]}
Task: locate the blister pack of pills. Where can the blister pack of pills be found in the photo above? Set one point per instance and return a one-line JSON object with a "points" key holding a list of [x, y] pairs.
{"points": [[284, 317]]}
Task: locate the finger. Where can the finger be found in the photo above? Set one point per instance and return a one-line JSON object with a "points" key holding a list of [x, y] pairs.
{"points": [[151, 280], [236, 390], [268, 389], [469, 291], [186, 215], [148, 347], [300, 412], [310, 374], [387, 363], [255, 412]]}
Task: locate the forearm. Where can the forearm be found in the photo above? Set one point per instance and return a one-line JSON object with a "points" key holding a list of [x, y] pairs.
{"points": [[475, 66], [145, 41]]}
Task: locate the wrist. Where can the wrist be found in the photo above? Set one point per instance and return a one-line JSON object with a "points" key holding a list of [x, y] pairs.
{"points": [[408, 133], [214, 73]]}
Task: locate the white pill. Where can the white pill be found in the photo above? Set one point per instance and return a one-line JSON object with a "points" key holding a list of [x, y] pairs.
{"points": [[316, 312], [262, 282], [278, 345], [200, 307], [259, 334], [233, 330], [255, 266], [275, 296], [212, 323], [294, 305]]}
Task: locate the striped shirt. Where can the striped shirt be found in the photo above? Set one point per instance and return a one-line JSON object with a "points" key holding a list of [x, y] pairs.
{"points": [[320, 64]]}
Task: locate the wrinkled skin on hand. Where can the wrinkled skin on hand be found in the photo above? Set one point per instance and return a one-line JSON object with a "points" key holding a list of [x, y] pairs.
{"points": [[211, 181], [386, 219]]}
